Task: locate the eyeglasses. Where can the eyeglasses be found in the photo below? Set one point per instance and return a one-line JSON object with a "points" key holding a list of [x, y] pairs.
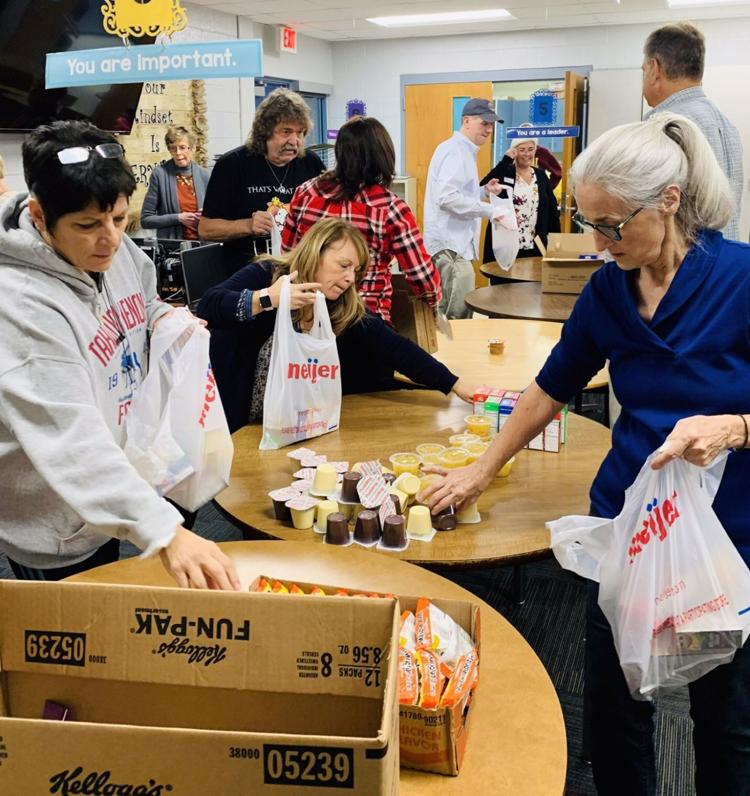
{"points": [[80, 154], [609, 231], [179, 148]]}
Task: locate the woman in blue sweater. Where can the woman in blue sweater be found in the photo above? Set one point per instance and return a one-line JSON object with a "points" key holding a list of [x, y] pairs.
{"points": [[241, 312], [671, 316]]}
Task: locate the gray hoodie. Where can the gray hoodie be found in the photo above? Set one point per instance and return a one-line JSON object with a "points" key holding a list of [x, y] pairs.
{"points": [[71, 354]]}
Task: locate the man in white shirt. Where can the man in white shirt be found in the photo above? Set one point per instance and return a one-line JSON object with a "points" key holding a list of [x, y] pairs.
{"points": [[453, 206]]}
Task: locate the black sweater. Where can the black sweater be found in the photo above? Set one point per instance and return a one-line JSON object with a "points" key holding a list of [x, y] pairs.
{"points": [[369, 351], [548, 214]]}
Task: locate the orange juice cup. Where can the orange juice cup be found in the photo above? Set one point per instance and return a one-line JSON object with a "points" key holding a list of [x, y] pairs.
{"points": [[405, 463], [504, 471], [429, 449], [462, 440], [453, 458], [478, 424], [475, 450]]}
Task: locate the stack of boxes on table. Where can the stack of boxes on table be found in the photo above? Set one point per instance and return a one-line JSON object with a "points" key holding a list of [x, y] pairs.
{"points": [[497, 404]]}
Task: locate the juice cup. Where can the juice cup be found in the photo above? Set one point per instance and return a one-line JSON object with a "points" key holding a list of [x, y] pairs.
{"points": [[453, 457], [504, 471], [405, 463], [461, 440], [429, 451], [478, 424], [475, 450]]}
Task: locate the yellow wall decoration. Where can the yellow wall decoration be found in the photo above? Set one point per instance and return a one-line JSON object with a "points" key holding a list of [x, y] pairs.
{"points": [[133, 18]]}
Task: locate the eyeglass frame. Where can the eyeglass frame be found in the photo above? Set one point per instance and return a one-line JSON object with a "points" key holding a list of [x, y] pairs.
{"points": [[613, 232], [100, 150]]}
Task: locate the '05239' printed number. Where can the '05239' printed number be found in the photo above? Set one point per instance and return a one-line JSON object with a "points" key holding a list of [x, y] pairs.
{"points": [[332, 767]]}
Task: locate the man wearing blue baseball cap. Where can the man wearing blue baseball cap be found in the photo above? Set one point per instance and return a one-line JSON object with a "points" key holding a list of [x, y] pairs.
{"points": [[454, 206]]}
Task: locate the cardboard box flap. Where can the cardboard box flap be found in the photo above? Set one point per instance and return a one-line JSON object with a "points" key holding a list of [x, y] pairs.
{"points": [[569, 246], [182, 637]]}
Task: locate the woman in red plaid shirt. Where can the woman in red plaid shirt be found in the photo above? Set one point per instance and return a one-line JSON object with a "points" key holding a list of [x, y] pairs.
{"points": [[358, 191]]}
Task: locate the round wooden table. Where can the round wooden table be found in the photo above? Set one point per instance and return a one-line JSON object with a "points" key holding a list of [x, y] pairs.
{"points": [[523, 300], [516, 733], [527, 269], [542, 486], [527, 346]]}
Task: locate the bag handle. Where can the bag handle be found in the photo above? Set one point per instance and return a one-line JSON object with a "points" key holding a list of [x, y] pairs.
{"points": [[321, 328]]}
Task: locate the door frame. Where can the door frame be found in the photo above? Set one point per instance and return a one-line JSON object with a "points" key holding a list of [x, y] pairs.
{"points": [[478, 76]]}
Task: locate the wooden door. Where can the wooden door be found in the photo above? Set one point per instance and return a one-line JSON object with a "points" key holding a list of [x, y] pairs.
{"points": [[428, 122], [576, 87]]}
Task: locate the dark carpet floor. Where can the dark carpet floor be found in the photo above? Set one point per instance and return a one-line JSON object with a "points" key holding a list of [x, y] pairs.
{"points": [[551, 620]]}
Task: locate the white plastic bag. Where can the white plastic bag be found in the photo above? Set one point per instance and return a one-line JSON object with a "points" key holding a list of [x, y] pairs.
{"points": [[177, 436], [504, 231], [672, 585], [275, 240], [303, 390]]}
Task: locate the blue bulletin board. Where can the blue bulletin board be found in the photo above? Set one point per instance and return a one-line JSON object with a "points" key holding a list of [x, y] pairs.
{"points": [[543, 107]]}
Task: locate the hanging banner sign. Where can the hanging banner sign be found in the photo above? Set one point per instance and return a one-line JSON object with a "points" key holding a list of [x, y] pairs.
{"points": [[142, 63], [543, 132]]}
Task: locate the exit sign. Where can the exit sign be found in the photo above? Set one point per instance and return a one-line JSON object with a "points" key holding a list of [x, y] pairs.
{"points": [[288, 40]]}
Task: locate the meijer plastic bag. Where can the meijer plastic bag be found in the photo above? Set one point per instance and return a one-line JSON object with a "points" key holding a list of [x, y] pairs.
{"points": [[176, 432], [303, 390], [504, 231], [672, 585]]}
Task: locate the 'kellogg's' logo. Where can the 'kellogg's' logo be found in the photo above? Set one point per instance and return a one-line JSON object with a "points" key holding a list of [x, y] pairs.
{"points": [[98, 784]]}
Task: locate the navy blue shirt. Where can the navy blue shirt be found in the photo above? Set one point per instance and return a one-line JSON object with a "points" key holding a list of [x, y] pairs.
{"points": [[693, 358]]}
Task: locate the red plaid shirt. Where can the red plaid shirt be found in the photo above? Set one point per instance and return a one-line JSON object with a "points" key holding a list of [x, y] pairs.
{"points": [[388, 226]]}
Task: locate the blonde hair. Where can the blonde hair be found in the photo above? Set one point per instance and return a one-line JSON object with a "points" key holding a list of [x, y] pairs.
{"points": [[637, 162], [518, 141], [305, 257]]}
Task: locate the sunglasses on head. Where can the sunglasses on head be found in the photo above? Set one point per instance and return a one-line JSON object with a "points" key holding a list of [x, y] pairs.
{"points": [[80, 154], [608, 230]]}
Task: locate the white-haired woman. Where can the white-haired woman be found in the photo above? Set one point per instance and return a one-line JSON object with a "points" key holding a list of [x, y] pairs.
{"points": [[533, 198], [671, 315]]}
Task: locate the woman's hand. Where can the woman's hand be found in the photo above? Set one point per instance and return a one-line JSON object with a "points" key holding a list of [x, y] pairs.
{"points": [[459, 488], [494, 186], [464, 391], [511, 153], [198, 563], [302, 295], [700, 439], [189, 220]]}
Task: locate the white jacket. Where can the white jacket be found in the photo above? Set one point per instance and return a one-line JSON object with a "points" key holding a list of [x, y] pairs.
{"points": [[453, 210], [71, 355]]}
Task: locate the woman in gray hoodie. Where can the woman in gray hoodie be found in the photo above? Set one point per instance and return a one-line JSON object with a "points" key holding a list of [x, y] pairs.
{"points": [[77, 305]]}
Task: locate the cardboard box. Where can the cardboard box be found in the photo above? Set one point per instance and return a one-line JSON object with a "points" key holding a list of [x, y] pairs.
{"points": [[185, 692], [411, 317], [569, 260], [429, 740]]}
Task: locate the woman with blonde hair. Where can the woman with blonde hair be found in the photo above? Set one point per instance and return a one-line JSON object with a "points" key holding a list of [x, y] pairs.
{"points": [[331, 258], [670, 315]]}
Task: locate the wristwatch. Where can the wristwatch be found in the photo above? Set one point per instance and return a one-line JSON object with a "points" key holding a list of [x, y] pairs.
{"points": [[265, 300]]}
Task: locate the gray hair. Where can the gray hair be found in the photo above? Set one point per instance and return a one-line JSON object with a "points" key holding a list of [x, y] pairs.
{"points": [[518, 141], [680, 50], [637, 162]]}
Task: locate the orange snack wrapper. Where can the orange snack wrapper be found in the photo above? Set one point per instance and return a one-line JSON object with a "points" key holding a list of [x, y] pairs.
{"points": [[431, 679], [317, 591], [263, 585], [295, 589], [279, 588], [461, 681], [406, 636], [408, 677], [341, 593]]}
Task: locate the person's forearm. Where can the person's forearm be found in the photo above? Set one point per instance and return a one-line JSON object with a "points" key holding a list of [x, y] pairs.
{"points": [[534, 410], [223, 229]]}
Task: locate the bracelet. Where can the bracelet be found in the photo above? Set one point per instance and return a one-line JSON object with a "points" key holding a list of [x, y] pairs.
{"points": [[742, 417]]}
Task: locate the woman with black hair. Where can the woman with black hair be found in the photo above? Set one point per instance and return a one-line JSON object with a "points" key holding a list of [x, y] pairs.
{"points": [[358, 190], [77, 306]]}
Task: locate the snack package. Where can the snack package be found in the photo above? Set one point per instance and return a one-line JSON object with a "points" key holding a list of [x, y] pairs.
{"points": [[277, 587], [435, 630], [407, 638], [295, 589], [263, 585], [431, 679], [462, 681], [408, 677], [317, 591]]}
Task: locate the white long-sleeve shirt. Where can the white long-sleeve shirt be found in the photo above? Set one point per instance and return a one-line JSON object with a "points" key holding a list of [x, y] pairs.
{"points": [[453, 206]]}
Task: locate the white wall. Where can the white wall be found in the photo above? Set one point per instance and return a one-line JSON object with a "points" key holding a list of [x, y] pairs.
{"points": [[231, 102], [372, 70]]}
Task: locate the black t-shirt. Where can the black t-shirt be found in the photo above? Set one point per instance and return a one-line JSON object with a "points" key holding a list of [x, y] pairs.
{"points": [[242, 182]]}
